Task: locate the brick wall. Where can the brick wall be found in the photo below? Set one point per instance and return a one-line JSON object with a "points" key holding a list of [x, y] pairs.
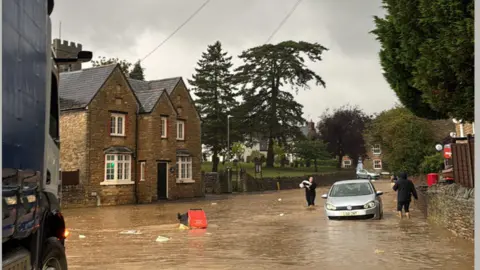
{"points": [[106, 100], [186, 111], [467, 129], [152, 148], [73, 155]]}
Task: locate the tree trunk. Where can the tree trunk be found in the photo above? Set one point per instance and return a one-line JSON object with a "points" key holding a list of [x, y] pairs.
{"points": [[215, 161], [270, 154], [339, 163], [316, 165]]}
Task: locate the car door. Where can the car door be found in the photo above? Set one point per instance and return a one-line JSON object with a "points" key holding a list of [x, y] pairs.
{"points": [[362, 174]]}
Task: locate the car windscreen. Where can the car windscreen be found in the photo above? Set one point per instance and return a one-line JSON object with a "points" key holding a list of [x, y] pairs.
{"points": [[351, 189]]}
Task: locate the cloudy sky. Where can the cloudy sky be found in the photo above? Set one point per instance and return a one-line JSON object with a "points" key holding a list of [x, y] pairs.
{"points": [[351, 69]]}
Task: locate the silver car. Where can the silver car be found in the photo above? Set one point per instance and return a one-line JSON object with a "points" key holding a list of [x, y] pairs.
{"points": [[353, 198], [365, 174]]}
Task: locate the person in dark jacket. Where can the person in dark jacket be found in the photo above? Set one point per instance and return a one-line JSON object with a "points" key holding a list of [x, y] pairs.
{"points": [[405, 189], [310, 192]]}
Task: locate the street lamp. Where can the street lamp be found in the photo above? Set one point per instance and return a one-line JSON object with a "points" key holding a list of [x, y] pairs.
{"points": [[228, 136]]}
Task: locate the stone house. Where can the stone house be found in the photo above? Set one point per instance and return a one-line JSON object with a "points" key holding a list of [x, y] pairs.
{"points": [[129, 141]]}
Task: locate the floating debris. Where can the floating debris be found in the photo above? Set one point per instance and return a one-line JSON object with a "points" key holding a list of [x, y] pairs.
{"points": [[282, 214], [162, 239], [183, 227], [279, 199], [379, 251], [214, 203], [130, 232], [81, 236]]}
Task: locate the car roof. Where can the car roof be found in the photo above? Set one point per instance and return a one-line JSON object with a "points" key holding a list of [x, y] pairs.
{"points": [[352, 181]]}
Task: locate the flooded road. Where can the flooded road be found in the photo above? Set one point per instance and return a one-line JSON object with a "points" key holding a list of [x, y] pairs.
{"points": [[259, 231]]}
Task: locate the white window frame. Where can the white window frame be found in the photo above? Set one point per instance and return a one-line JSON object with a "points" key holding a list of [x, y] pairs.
{"points": [[164, 127], [184, 169], [125, 173], [114, 127], [182, 133], [142, 170], [374, 165], [376, 150]]}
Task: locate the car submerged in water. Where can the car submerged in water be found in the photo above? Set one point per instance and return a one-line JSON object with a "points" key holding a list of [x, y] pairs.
{"points": [[353, 198]]}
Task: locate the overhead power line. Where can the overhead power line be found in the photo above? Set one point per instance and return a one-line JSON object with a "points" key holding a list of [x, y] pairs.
{"points": [[176, 30], [283, 21]]}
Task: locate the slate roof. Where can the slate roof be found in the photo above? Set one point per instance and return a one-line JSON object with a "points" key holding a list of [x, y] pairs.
{"points": [[148, 92], [77, 88], [148, 98]]}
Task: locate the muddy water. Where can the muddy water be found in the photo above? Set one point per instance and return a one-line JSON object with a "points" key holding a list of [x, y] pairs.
{"points": [[257, 231]]}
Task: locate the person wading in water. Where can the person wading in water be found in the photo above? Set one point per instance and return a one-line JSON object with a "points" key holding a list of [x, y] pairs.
{"points": [[310, 192], [405, 189]]}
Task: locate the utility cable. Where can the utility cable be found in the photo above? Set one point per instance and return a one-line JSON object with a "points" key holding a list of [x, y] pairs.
{"points": [[283, 21], [176, 30]]}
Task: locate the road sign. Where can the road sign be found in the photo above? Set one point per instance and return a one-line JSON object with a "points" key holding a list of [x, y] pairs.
{"points": [[447, 151]]}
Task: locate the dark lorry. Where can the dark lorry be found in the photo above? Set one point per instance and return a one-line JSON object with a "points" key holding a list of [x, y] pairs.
{"points": [[33, 226]]}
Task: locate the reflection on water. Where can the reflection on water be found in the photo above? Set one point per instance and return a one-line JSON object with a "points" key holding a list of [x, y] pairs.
{"points": [[249, 232]]}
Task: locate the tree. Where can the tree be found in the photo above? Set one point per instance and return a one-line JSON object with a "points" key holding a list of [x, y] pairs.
{"points": [[238, 150], [279, 152], [428, 55], [343, 130], [103, 61], [268, 108], [213, 84], [311, 150], [405, 139], [137, 72]]}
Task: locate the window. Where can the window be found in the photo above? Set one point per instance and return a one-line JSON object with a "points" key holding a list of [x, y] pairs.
{"points": [[117, 124], [117, 168], [142, 171], [180, 130], [377, 164], [184, 168], [163, 127], [347, 163], [376, 149]]}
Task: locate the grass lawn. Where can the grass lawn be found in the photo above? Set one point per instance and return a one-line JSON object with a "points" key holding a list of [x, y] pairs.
{"points": [[273, 172]]}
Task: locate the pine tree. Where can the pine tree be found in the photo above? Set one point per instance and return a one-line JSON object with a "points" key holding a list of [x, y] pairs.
{"points": [[268, 108], [137, 72], [212, 83]]}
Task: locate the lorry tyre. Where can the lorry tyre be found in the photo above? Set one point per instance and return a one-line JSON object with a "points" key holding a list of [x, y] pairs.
{"points": [[54, 255]]}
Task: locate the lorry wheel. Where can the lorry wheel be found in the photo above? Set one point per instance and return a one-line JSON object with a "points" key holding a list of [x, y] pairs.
{"points": [[54, 257]]}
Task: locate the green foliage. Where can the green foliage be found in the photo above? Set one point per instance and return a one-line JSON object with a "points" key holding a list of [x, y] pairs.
{"points": [[267, 71], [433, 163], [256, 154], [137, 72], [213, 84], [103, 61], [405, 139], [343, 130], [311, 150], [238, 150], [428, 55]]}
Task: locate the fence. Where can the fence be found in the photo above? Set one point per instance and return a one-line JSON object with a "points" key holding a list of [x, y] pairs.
{"points": [[463, 159]]}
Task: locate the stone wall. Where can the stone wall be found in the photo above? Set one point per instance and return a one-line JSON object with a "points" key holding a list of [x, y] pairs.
{"points": [[218, 182], [453, 207], [449, 205], [73, 196]]}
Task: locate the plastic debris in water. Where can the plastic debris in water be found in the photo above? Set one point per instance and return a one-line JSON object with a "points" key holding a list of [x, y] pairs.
{"points": [[378, 251], [162, 239], [279, 199], [282, 214], [183, 227], [81, 236], [130, 232], [214, 203]]}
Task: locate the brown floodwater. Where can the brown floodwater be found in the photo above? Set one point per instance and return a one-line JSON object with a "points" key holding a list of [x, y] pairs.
{"points": [[259, 231]]}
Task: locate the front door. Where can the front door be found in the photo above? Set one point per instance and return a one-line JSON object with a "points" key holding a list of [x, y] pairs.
{"points": [[162, 180]]}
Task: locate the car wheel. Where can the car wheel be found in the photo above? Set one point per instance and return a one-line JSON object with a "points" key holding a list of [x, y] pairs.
{"points": [[330, 218], [369, 177], [54, 255]]}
